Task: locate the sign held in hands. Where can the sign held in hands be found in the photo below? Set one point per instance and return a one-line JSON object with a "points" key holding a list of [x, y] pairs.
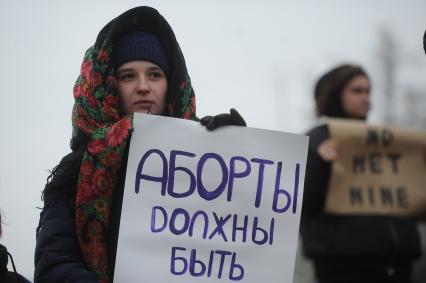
{"points": [[217, 206], [379, 170]]}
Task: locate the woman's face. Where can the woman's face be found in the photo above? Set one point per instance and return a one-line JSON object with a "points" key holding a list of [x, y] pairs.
{"points": [[142, 87], [356, 97]]}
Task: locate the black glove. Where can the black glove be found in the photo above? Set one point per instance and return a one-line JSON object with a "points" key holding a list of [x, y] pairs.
{"points": [[213, 122]]}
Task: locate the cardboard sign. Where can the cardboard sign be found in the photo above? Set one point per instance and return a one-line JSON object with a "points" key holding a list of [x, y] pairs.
{"points": [[379, 170], [203, 206]]}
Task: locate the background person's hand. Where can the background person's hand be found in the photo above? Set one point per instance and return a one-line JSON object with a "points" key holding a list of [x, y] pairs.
{"points": [[233, 118], [328, 150]]}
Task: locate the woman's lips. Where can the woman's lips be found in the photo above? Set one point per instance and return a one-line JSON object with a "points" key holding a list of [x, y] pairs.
{"points": [[146, 104], [143, 106]]}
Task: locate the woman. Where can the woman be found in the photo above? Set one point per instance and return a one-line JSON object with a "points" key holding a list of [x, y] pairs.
{"points": [[349, 248], [135, 65]]}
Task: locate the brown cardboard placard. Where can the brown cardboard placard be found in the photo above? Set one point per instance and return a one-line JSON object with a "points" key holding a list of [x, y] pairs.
{"points": [[380, 170]]}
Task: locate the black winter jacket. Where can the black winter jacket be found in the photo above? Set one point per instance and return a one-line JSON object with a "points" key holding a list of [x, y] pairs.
{"points": [[58, 257], [377, 239]]}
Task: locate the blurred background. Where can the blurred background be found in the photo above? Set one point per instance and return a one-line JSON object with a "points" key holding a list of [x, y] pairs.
{"points": [[261, 57]]}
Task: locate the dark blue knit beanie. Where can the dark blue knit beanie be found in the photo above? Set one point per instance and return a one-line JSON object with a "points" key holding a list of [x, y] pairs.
{"points": [[140, 46]]}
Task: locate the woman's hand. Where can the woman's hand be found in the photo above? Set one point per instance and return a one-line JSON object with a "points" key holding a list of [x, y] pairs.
{"points": [[328, 150]]}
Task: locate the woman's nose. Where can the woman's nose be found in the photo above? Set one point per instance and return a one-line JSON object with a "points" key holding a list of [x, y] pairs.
{"points": [[142, 86], [366, 97]]}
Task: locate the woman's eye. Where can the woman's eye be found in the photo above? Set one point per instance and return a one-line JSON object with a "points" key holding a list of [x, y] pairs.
{"points": [[125, 76], [360, 90], [155, 75]]}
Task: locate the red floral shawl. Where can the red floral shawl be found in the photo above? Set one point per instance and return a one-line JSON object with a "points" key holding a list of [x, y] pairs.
{"points": [[98, 114]]}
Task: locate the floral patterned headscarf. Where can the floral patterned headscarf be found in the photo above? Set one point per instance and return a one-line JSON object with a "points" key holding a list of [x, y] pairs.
{"points": [[98, 114]]}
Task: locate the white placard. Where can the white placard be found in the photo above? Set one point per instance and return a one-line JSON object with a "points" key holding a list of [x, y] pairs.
{"points": [[203, 206]]}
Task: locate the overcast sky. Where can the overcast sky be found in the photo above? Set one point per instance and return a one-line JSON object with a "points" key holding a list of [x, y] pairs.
{"points": [[261, 57]]}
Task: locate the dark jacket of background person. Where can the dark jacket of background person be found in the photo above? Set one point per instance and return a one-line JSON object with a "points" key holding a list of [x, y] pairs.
{"points": [[350, 247], [5, 275]]}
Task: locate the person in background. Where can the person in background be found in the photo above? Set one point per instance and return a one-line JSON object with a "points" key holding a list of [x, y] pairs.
{"points": [[424, 41], [349, 248], [5, 275], [135, 65]]}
